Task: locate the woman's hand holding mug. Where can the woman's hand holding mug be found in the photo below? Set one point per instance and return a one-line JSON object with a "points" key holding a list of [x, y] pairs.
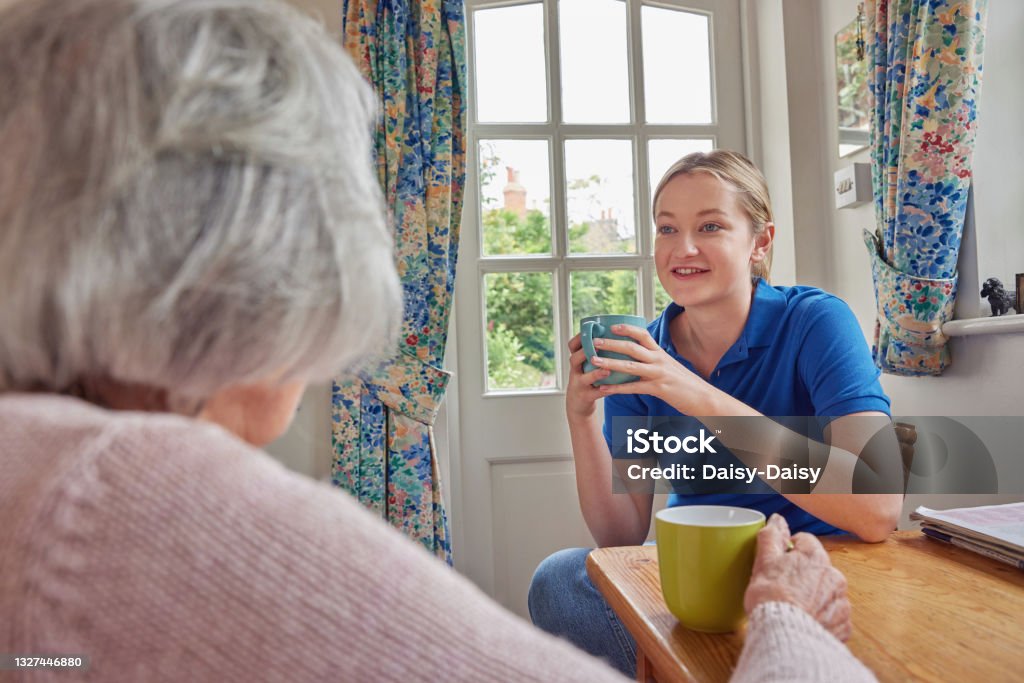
{"points": [[584, 376], [658, 374], [797, 570], [581, 395]]}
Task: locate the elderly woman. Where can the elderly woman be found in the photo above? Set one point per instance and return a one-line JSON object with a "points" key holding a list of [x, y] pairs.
{"points": [[190, 230]]}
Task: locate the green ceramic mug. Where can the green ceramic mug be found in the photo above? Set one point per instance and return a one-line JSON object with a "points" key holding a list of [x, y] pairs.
{"points": [[705, 556], [596, 326]]}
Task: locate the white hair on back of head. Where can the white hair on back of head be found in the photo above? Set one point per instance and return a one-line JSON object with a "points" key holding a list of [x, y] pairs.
{"points": [[187, 198]]}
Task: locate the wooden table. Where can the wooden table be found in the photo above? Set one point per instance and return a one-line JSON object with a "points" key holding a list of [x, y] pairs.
{"points": [[922, 610]]}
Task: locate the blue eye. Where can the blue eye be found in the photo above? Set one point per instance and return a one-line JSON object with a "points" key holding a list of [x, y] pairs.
{"points": [[665, 229], [710, 227]]}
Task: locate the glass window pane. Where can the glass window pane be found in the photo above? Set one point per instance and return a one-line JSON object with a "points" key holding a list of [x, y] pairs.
{"points": [[520, 330], [510, 76], [662, 153], [595, 79], [597, 292], [674, 93], [515, 197], [599, 196], [661, 297]]}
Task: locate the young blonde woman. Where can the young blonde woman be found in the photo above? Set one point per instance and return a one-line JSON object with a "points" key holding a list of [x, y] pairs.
{"points": [[729, 345]]}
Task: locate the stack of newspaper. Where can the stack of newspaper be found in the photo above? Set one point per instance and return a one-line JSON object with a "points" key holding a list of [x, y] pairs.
{"points": [[996, 531]]}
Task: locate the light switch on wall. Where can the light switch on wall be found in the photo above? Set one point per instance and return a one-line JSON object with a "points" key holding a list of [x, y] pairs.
{"points": [[853, 186]]}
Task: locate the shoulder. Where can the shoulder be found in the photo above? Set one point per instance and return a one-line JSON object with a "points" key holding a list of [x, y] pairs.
{"points": [[58, 443], [99, 463], [163, 465], [147, 467], [810, 310], [802, 300]]}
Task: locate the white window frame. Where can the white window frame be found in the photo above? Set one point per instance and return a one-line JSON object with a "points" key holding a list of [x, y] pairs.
{"points": [[560, 262]]}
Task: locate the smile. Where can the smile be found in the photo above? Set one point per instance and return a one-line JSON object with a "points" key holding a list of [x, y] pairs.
{"points": [[688, 272]]}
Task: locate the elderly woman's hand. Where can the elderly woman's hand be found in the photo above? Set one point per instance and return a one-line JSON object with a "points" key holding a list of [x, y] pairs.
{"points": [[797, 570]]}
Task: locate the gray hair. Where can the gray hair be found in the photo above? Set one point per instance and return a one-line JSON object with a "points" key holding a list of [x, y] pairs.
{"points": [[187, 198]]}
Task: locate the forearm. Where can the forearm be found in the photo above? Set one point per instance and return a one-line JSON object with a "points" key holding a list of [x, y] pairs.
{"points": [[783, 643], [613, 518], [872, 516], [761, 441]]}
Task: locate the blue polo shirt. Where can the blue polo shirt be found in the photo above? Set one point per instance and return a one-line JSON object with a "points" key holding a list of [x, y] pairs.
{"points": [[801, 353]]}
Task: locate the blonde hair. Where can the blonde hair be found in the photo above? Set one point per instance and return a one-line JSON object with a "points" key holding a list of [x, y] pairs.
{"points": [[739, 173]]}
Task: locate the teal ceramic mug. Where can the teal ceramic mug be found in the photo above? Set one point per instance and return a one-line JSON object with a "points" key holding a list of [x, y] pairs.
{"points": [[600, 326]]}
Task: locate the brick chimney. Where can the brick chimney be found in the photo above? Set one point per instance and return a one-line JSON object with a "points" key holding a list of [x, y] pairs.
{"points": [[515, 193]]}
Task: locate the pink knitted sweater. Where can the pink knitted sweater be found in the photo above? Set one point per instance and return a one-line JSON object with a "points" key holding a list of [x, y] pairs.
{"points": [[164, 548]]}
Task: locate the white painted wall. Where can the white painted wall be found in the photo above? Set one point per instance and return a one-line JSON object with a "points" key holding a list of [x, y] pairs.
{"points": [[1000, 148], [328, 12], [987, 376], [306, 446], [984, 378], [769, 144]]}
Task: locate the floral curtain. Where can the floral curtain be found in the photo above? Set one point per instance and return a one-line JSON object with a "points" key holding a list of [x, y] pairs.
{"points": [[413, 53], [925, 78]]}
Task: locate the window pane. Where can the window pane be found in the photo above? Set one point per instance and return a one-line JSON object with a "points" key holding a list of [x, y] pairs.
{"points": [[595, 82], [677, 66], [515, 197], [662, 153], [510, 77], [599, 195], [661, 297], [596, 292], [520, 330]]}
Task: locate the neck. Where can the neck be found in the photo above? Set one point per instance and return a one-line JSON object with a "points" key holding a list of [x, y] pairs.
{"points": [[117, 395], [710, 330]]}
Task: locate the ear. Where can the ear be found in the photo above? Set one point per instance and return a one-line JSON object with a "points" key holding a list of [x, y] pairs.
{"points": [[257, 413], [762, 243]]}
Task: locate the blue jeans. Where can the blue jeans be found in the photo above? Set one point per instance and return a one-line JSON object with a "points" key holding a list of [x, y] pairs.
{"points": [[564, 602]]}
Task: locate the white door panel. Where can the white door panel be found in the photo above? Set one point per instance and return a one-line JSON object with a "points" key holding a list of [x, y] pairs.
{"points": [[534, 513]]}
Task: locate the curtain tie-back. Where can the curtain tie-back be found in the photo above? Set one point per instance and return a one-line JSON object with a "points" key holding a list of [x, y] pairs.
{"points": [[911, 311], [408, 385]]}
